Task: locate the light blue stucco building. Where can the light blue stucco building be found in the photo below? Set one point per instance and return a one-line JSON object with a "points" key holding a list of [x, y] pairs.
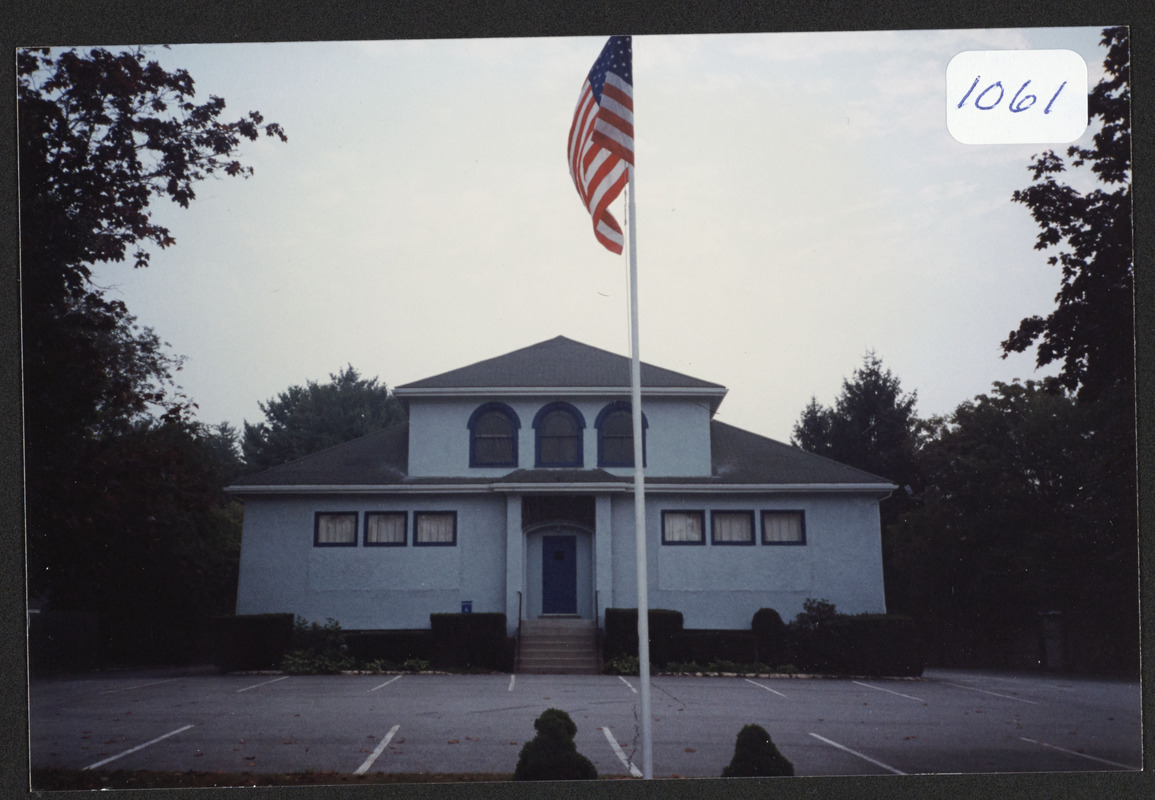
{"points": [[510, 488]]}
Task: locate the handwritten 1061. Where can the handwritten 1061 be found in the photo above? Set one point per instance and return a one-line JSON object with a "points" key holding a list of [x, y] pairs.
{"points": [[990, 97]]}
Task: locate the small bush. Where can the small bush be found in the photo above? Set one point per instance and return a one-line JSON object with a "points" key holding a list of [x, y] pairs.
{"points": [[317, 649], [771, 637], [755, 756], [624, 665], [551, 755], [415, 665]]}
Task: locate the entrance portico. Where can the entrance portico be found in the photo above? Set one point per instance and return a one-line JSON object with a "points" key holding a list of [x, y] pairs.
{"points": [[557, 557]]}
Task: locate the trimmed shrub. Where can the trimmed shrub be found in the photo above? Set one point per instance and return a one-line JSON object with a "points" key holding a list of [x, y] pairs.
{"points": [[395, 647], [863, 644], [317, 649], [705, 646], [470, 641], [622, 633], [755, 756], [551, 755], [251, 642], [771, 637]]}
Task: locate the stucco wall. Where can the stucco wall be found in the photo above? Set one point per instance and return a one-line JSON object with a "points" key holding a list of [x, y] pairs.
{"points": [[677, 437], [370, 587], [721, 586]]}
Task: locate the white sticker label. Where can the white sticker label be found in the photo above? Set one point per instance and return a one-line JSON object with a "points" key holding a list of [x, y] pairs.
{"points": [[1016, 96]]}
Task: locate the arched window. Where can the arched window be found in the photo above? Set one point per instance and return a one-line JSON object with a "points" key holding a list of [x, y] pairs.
{"points": [[559, 436], [493, 436], [615, 426]]}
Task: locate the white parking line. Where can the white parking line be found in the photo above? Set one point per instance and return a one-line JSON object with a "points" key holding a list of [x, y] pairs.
{"points": [[361, 770], [138, 747], [856, 753], [512, 678], [996, 694], [386, 683], [627, 683], [637, 773], [767, 688], [138, 686], [264, 683], [1077, 753], [891, 691]]}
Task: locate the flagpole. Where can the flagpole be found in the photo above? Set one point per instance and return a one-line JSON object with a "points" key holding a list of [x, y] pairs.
{"points": [[639, 498]]}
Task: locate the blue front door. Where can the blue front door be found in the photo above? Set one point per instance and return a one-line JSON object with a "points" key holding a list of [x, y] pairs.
{"points": [[559, 575]]}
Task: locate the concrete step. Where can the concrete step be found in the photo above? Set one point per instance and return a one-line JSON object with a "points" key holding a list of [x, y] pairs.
{"points": [[558, 645]]}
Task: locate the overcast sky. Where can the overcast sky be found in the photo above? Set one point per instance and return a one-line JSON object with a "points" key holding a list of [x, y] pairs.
{"points": [[800, 203]]}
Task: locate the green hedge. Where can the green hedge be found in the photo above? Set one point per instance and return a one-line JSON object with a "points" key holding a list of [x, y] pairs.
{"points": [[471, 641], [255, 641], [863, 644], [622, 634], [709, 646], [395, 647], [772, 638]]}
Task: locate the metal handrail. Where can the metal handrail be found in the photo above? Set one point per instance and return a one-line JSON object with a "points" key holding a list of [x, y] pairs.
{"points": [[517, 637]]}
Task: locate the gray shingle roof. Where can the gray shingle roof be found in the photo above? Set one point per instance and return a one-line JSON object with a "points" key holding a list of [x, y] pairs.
{"points": [[557, 362], [738, 458]]}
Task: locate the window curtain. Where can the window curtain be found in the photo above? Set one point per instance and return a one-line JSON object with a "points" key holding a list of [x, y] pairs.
{"points": [[683, 527], [733, 527], [435, 528], [782, 527], [336, 528], [385, 529]]}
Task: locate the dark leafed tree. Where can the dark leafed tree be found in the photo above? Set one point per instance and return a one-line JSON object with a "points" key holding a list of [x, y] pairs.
{"points": [[1091, 330], [305, 419], [872, 426], [101, 136], [1021, 516]]}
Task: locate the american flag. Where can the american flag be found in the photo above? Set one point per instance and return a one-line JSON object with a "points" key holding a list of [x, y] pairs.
{"points": [[601, 138]]}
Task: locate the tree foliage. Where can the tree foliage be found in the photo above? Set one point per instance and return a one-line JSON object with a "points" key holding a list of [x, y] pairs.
{"points": [[124, 511], [1091, 330], [305, 419], [1025, 511], [872, 426]]}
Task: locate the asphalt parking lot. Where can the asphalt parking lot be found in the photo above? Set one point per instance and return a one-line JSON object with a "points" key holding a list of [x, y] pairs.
{"points": [[946, 722]]}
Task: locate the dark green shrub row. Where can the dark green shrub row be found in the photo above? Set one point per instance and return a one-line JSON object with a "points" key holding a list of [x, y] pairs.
{"points": [[394, 647], [471, 641], [819, 640], [704, 647], [250, 642], [822, 640], [622, 634]]}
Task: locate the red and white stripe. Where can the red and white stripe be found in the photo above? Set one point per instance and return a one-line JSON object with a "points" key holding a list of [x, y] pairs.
{"points": [[601, 151]]}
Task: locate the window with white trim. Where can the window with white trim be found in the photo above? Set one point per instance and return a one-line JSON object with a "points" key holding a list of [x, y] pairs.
{"points": [[435, 528], [732, 527], [385, 528], [783, 527], [683, 527], [335, 529]]}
